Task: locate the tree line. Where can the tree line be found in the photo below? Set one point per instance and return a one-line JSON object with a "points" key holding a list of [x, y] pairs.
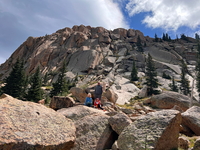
{"points": [[152, 81], [29, 88]]}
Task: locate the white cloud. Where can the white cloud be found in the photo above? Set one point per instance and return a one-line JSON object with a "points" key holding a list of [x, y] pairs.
{"points": [[62, 13], [167, 14], [37, 18]]}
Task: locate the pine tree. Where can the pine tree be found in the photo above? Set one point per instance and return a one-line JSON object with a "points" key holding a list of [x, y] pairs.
{"points": [[198, 49], [35, 92], [134, 72], [156, 38], [198, 75], [15, 82], [167, 37], [196, 36], [45, 79], [183, 37], [164, 38], [198, 82], [173, 86], [185, 88], [151, 76], [60, 86]]}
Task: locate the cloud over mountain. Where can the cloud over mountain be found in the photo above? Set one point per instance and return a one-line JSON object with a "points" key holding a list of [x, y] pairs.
{"points": [[167, 14]]}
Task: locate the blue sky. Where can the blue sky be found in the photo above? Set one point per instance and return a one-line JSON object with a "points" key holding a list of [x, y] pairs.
{"points": [[20, 19]]}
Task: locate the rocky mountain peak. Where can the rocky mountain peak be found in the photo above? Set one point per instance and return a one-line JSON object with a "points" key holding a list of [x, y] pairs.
{"points": [[49, 51], [101, 54]]}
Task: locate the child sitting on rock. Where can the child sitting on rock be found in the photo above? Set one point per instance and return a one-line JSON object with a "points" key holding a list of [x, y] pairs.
{"points": [[88, 100], [97, 104]]}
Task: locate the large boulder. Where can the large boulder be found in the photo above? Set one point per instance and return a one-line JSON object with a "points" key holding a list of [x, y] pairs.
{"points": [[92, 128], [109, 61], [77, 112], [156, 130], [58, 102], [111, 96], [119, 121], [191, 119], [122, 87], [94, 132], [80, 38], [168, 100], [79, 94], [28, 125], [103, 38]]}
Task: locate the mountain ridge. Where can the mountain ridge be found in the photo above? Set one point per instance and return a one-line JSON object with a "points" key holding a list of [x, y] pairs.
{"points": [[105, 55]]}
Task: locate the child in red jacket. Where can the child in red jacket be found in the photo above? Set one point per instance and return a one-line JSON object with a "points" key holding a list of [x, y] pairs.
{"points": [[97, 103]]}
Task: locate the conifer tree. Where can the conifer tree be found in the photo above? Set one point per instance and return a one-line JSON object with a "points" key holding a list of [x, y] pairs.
{"points": [[45, 79], [164, 38], [156, 38], [185, 88], [60, 86], [198, 74], [173, 86], [151, 76], [15, 82], [198, 82], [196, 36], [35, 92], [198, 49], [134, 72], [167, 37]]}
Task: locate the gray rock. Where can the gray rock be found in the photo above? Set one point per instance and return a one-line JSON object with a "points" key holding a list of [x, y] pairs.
{"points": [[82, 61], [156, 130], [119, 121], [93, 132], [92, 128], [77, 112], [191, 119], [168, 100], [109, 61]]}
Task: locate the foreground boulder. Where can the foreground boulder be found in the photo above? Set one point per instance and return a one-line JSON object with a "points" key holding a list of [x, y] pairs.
{"points": [[156, 130], [77, 112], [191, 119], [168, 100], [93, 131], [28, 125]]}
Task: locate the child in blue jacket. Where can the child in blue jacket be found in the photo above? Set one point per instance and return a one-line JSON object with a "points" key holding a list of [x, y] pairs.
{"points": [[88, 100]]}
